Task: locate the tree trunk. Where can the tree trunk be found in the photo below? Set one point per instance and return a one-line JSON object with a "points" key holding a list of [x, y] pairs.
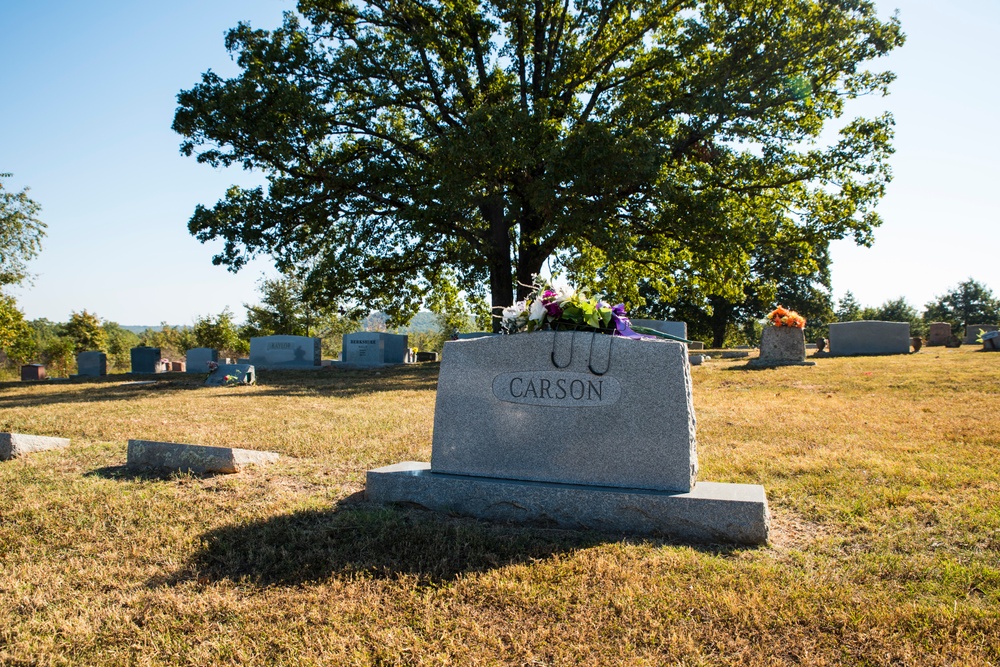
{"points": [[501, 273], [721, 313]]}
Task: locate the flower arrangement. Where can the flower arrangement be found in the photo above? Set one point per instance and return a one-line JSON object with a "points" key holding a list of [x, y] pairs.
{"points": [[565, 308], [782, 317]]}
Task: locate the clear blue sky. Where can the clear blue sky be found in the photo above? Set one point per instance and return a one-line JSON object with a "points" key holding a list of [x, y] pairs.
{"points": [[89, 95]]}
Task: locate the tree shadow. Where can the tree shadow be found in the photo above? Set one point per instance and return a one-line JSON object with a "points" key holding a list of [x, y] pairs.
{"points": [[127, 473], [360, 538], [340, 383]]}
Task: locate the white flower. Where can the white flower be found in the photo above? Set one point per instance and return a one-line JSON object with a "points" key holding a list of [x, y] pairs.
{"points": [[537, 312]]}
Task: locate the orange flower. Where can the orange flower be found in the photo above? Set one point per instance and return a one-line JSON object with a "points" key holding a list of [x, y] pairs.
{"points": [[782, 317]]}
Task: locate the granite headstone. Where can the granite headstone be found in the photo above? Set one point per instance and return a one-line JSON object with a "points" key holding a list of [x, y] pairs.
{"points": [[375, 348], [92, 364], [869, 337], [678, 329], [782, 346], [973, 331], [197, 359], [938, 333], [146, 359], [286, 352]]}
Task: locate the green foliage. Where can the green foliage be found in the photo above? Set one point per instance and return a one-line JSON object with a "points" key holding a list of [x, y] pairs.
{"points": [[970, 302], [21, 234], [16, 336], [452, 310], [85, 331], [896, 310], [172, 341], [119, 346], [848, 309], [220, 333], [284, 310], [403, 139], [59, 356]]}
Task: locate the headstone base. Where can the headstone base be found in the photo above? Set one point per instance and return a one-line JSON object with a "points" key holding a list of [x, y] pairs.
{"points": [[710, 512], [199, 459], [768, 363]]}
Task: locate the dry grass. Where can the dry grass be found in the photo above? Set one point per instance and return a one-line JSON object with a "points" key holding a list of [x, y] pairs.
{"points": [[883, 476]]}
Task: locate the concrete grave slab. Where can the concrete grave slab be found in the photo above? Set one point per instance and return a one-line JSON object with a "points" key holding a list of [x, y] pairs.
{"points": [[92, 364], [869, 337], [781, 346], [145, 359], [243, 374], [199, 459], [374, 348], [972, 332], [575, 429], [679, 329], [286, 352], [14, 445], [709, 512], [197, 359], [938, 333]]}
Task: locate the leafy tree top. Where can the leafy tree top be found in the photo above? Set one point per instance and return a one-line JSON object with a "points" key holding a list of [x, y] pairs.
{"points": [[404, 139], [21, 234]]}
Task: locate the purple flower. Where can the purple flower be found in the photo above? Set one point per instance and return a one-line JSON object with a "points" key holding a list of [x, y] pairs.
{"points": [[622, 323], [554, 310]]}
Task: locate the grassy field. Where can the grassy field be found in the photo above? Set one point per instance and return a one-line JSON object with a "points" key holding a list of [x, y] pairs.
{"points": [[882, 473]]}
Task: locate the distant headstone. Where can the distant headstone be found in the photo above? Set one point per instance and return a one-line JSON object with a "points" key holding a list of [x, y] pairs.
{"points": [[576, 429], [679, 329], [869, 337], [92, 364], [696, 359], [145, 359], [13, 445], [427, 356], [178, 366], [991, 341], [938, 333], [198, 459], [972, 332], [735, 354], [810, 346], [286, 352], [782, 346], [374, 348], [197, 359], [231, 374], [696, 345], [32, 372], [953, 341]]}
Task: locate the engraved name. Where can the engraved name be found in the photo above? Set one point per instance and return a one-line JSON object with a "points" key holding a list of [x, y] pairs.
{"points": [[557, 389], [279, 346]]}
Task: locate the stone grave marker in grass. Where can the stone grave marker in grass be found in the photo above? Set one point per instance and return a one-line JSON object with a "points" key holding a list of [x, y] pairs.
{"points": [[781, 346], [199, 459], [91, 364], [197, 359], [231, 374], [286, 352], [575, 429], [973, 331], [938, 333], [13, 445], [373, 348], [145, 359], [869, 337]]}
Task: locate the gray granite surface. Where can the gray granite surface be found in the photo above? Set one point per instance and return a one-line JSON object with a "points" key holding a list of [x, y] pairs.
{"points": [[197, 359], [285, 352], [198, 459], [244, 374], [13, 445], [710, 512], [679, 329], [869, 337], [374, 348], [782, 346], [92, 364], [567, 407]]}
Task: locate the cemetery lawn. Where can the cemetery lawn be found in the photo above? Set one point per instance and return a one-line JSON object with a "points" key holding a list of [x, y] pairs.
{"points": [[882, 474]]}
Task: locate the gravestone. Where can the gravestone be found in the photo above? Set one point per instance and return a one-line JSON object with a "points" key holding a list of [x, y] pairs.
{"points": [[13, 445], [782, 346], [972, 332], [474, 334], [696, 345], [32, 372], [991, 341], [577, 429], [427, 356], [869, 337], [92, 364], [678, 329], [178, 366], [231, 374], [197, 359], [145, 359], [938, 333], [374, 348], [198, 459], [286, 352], [953, 341], [735, 354]]}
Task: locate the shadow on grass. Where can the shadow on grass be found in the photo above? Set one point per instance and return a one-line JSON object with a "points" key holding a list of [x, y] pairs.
{"points": [[339, 383], [127, 474], [360, 538]]}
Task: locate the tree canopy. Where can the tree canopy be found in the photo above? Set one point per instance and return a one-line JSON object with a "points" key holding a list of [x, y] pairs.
{"points": [[21, 234], [405, 139], [969, 302]]}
